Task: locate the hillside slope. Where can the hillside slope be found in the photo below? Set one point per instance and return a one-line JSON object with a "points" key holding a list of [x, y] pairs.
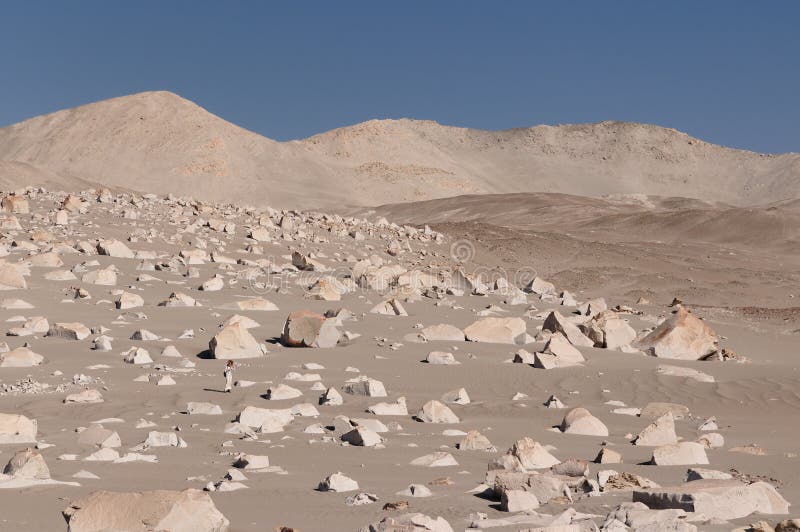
{"points": [[160, 142]]}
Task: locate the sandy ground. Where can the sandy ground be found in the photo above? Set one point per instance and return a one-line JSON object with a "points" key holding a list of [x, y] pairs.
{"points": [[755, 402], [727, 260]]}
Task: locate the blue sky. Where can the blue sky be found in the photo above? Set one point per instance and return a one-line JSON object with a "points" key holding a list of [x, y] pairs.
{"points": [[724, 71]]}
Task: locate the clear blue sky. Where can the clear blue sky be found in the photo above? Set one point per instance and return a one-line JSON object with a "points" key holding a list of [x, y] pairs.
{"points": [[725, 71]]}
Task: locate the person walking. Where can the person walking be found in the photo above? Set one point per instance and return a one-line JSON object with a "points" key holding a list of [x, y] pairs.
{"points": [[228, 372]]}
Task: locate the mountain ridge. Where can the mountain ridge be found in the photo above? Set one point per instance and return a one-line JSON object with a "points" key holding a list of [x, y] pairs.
{"points": [[157, 141]]}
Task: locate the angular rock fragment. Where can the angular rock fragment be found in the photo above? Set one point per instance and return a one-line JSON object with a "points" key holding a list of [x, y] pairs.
{"points": [[581, 421], [683, 336], [339, 483], [683, 453], [190, 510], [716, 499], [234, 342], [497, 330], [435, 412], [304, 328]]}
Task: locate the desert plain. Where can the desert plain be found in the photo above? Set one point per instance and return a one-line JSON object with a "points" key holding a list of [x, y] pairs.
{"points": [[560, 328]]}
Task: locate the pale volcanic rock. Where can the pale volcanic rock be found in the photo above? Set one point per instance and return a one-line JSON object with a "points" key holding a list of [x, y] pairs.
{"points": [[699, 473], [530, 454], [161, 439], [308, 329], [716, 499], [415, 490], [70, 331], [326, 289], [458, 396], [195, 408], [437, 459], [497, 330], [441, 358], [46, 260], [127, 300], [410, 522], [659, 432], [85, 397], [390, 307], [11, 277], [556, 323], [16, 428], [145, 336], [306, 263], [608, 456], [558, 353], [656, 410], [339, 483], [540, 287], [251, 462], [244, 321], [475, 441], [581, 421], [682, 336], [114, 248], [331, 397], [21, 357], [234, 342], [256, 417], [98, 436], [362, 437], [179, 299], [137, 355], [435, 412], [518, 501], [607, 330], [102, 277], [33, 325], [282, 392], [366, 386], [190, 510], [683, 453], [397, 408], [15, 204], [27, 464], [442, 333]]}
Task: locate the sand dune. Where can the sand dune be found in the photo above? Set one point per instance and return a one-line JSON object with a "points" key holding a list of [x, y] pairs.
{"points": [[160, 142]]}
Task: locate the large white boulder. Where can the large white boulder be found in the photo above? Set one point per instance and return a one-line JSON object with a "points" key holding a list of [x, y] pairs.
{"points": [[304, 328], [16, 428], [498, 331], [190, 510], [683, 336], [234, 342], [581, 421], [716, 499]]}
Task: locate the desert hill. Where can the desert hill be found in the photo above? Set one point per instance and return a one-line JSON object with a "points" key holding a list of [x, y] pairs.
{"points": [[160, 142]]}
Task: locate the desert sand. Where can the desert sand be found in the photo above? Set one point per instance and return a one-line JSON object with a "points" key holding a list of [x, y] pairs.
{"points": [[583, 352]]}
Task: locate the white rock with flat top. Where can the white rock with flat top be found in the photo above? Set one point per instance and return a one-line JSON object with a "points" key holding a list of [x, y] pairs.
{"points": [[683, 453], [716, 499]]}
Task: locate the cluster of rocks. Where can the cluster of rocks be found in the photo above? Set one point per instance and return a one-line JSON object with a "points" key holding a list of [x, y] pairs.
{"points": [[216, 252]]}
